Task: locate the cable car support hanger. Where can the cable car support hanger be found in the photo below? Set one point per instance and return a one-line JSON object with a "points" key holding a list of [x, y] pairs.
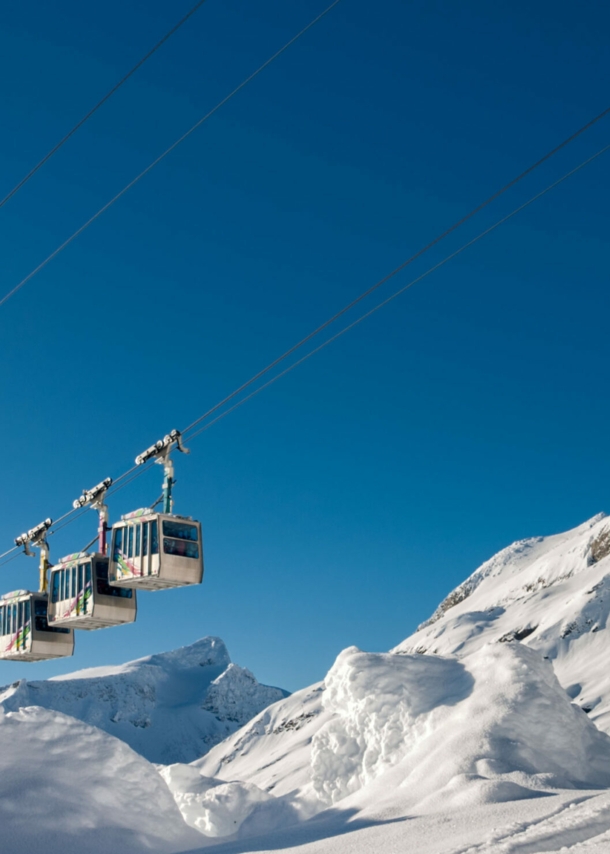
{"points": [[95, 498], [37, 537], [161, 450]]}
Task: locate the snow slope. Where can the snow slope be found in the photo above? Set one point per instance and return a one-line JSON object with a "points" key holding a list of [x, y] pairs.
{"points": [[483, 733], [66, 786], [467, 711], [549, 593], [445, 733], [170, 707]]}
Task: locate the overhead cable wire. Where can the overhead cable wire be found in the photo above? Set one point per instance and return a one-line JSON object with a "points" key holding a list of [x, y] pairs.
{"points": [[406, 287], [406, 263], [137, 471], [100, 103], [167, 151]]}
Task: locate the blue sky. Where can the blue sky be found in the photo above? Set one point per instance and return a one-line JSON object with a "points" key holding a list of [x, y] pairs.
{"points": [[341, 504]]}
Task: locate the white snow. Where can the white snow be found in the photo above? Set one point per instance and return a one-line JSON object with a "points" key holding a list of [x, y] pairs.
{"points": [[170, 707], [484, 732], [66, 786], [453, 718]]}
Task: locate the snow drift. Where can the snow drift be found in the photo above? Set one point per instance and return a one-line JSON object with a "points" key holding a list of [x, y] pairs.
{"points": [[170, 707], [490, 727], [491, 699], [66, 786]]}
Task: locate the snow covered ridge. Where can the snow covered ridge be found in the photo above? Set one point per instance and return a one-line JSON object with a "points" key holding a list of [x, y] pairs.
{"points": [[430, 733], [549, 593], [461, 713], [170, 707]]}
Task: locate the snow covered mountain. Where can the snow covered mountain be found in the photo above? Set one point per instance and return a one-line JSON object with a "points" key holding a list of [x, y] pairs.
{"points": [[170, 707], [549, 593], [493, 699], [486, 731]]}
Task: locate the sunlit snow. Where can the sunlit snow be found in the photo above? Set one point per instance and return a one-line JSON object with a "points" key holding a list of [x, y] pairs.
{"points": [[485, 731]]}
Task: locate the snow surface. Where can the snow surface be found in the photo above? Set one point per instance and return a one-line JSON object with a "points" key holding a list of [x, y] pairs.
{"points": [[69, 787], [545, 593], [486, 731], [452, 718], [170, 707]]}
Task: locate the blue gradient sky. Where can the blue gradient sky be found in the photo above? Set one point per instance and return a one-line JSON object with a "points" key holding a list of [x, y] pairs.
{"points": [[341, 504]]}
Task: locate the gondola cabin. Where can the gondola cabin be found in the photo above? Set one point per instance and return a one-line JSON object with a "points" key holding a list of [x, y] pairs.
{"points": [[25, 634], [81, 596], [155, 550]]}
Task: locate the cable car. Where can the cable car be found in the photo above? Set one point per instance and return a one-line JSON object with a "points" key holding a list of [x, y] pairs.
{"points": [[81, 597], [25, 634], [153, 551]]}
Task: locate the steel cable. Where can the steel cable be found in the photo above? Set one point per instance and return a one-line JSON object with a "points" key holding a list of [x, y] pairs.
{"points": [[94, 109], [167, 151], [136, 471], [403, 289], [406, 263]]}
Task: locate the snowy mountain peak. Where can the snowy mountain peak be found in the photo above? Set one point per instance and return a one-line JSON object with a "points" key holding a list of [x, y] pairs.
{"points": [[550, 593], [169, 707], [528, 564], [205, 652]]}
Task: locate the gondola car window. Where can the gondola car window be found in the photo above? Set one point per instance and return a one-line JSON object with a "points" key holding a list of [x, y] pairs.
{"points": [[130, 542], [145, 539], [117, 542], [137, 535], [55, 586], [40, 619], [181, 548], [26, 612], [104, 589], [179, 530], [154, 538]]}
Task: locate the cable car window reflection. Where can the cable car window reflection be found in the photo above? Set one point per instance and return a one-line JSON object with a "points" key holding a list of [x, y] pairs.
{"points": [[104, 588], [117, 543], [154, 538], [179, 530], [40, 619], [181, 548], [55, 586]]}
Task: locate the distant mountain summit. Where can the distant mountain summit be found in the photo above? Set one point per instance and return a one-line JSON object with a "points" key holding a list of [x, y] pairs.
{"points": [[169, 707]]}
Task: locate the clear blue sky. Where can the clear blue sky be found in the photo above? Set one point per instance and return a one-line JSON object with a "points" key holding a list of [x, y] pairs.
{"points": [[340, 505]]}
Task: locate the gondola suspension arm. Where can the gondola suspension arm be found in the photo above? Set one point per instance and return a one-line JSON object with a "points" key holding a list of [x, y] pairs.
{"points": [[160, 452], [37, 537], [95, 498]]}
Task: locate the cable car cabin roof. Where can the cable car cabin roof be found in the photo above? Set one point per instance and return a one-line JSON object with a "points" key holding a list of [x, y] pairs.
{"points": [[145, 513], [17, 594], [136, 514], [73, 558]]}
